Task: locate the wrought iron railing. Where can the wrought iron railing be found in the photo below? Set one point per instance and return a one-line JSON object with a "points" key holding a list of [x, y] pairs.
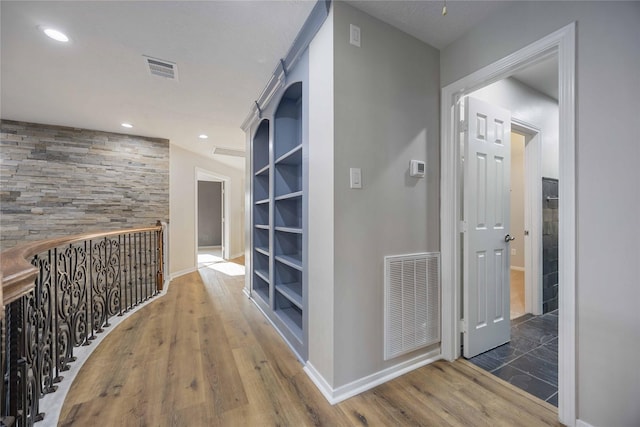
{"points": [[60, 294]]}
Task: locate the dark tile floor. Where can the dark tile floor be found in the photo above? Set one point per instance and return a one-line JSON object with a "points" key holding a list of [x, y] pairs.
{"points": [[530, 360]]}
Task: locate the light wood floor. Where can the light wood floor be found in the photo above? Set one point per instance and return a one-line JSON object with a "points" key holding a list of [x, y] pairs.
{"points": [[204, 356], [517, 294]]}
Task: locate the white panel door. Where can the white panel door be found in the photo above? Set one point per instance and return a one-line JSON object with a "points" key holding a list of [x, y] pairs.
{"points": [[487, 159]]}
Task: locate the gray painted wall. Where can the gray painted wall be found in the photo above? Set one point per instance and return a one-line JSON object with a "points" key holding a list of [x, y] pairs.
{"points": [[608, 200], [209, 213], [386, 113], [59, 181]]}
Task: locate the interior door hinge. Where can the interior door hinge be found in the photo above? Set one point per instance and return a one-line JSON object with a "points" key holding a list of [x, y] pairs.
{"points": [[462, 326], [462, 227], [464, 126]]}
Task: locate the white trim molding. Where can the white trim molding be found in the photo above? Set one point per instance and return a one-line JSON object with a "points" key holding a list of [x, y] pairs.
{"points": [[337, 395], [580, 423], [562, 44]]}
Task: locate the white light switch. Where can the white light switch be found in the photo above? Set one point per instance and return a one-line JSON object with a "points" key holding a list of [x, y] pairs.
{"points": [[355, 175], [354, 35]]}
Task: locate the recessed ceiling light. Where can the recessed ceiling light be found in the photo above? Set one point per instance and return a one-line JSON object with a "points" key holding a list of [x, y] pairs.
{"points": [[127, 125], [56, 35], [203, 136]]}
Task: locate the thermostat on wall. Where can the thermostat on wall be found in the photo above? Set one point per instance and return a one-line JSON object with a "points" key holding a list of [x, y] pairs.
{"points": [[417, 168]]}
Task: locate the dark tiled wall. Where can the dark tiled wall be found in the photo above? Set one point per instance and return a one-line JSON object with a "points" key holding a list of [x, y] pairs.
{"points": [[549, 245], [58, 181]]}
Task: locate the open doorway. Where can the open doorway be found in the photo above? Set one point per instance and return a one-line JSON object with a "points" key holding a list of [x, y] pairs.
{"points": [[212, 222], [517, 230], [455, 326], [529, 360]]}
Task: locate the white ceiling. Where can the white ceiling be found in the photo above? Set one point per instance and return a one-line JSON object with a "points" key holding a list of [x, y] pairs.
{"points": [[424, 20], [542, 76], [225, 52]]}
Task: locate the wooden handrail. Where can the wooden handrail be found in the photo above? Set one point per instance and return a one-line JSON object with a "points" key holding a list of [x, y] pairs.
{"points": [[19, 275]]}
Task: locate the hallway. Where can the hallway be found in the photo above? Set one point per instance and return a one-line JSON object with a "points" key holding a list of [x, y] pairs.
{"points": [[204, 355]]}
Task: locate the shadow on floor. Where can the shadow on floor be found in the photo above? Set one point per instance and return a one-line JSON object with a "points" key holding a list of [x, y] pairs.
{"points": [[530, 360]]}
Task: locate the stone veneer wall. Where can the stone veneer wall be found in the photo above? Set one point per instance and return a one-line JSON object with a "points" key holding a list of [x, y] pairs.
{"points": [[549, 245], [57, 181]]}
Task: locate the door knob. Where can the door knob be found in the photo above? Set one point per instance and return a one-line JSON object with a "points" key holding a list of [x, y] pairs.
{"points": [[508, 238]]}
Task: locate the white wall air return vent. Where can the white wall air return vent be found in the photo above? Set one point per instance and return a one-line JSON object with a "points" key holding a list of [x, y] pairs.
{"points": [[162, 68], [228, 152], [411, 302]]}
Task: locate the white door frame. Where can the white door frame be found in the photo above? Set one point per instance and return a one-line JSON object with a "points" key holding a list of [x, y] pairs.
{"points": [[561, 43], [532, 214], [205, 175]]}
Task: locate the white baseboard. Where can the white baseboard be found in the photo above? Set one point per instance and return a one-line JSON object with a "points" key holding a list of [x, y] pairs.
{"points": [[346, 391], [177, 274], [320, 382], [517, 268], [239, 254], [580, 423]]}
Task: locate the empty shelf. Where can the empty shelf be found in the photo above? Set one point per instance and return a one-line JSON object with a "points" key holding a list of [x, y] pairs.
{"points": [[264, 170], [262, 227], [263, 274], [292, 292], [292, 157], [290, 195], [292, 318], [289, 229], [290, 261], [263, 251]]}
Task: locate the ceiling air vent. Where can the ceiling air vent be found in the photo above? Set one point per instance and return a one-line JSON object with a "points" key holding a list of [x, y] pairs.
{"points": [[162, 68], [228, 152]]}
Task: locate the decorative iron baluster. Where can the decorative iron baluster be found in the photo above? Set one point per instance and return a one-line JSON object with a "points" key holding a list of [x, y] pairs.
{"points": [[72, 309], [14, 390], [154, 261], [23, 390], [122, 272], [91, 315], [105, 287], [146, 266], [42, 334], [129, 289], [136, 256]]}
